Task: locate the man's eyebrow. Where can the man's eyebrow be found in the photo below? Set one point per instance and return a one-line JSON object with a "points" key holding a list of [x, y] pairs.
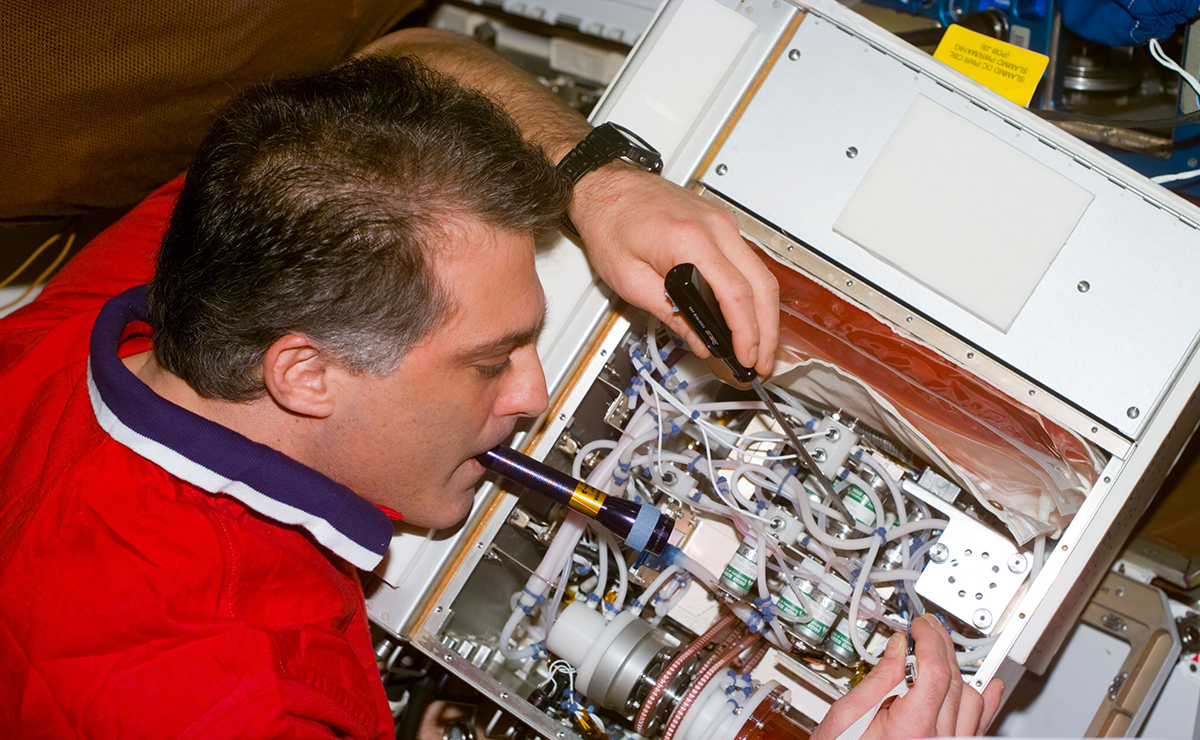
{"points": [[506, 343]]}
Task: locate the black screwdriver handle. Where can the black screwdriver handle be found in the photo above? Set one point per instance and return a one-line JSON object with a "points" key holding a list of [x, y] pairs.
{"points": [[691, 294]]}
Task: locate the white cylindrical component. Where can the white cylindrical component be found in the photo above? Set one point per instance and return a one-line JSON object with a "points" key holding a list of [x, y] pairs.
{"points": [[611, 656], [574, 633]]}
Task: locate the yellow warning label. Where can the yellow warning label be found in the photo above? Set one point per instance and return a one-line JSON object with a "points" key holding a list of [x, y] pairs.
{"points": [[1009, 70], [587, 500]]}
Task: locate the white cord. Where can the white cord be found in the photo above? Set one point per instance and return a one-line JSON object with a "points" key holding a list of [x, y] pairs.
{"points": [[1164, 179], [1161, 57]]}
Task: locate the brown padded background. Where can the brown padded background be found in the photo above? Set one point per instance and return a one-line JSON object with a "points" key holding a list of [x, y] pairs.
{"points": [[100, 102]]}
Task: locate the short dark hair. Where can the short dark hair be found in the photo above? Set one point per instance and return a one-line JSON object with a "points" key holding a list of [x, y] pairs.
{"points": [[314, 205]]}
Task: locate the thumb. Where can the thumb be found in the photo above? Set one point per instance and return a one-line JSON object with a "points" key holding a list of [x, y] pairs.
{"points": [[869, 691]]}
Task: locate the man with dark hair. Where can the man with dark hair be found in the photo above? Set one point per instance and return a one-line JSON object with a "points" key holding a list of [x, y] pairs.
{"points": [[342, 315], [344, 310]]}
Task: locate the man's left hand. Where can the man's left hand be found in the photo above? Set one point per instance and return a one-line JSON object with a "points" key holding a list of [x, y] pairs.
{"points": [[637, 226]]}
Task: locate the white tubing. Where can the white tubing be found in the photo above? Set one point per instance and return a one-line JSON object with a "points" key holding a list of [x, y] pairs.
{"points": [[601, 589], [644, 599], [859, 584], [622, 572], [587, 449]]}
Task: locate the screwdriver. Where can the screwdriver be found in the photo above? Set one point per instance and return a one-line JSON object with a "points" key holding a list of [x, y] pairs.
{"points": [[692, 295]]}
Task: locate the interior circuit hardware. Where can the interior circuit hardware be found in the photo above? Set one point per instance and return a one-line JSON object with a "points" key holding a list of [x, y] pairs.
{"points": [[694, 299], [642, 526], [760, 568]]}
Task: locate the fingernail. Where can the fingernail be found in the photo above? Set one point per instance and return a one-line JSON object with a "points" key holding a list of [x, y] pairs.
{"points": [[895, 645], [753, 356]]}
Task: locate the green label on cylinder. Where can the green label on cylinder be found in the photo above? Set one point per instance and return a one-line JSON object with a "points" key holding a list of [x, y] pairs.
{"points": [[859, 506]]}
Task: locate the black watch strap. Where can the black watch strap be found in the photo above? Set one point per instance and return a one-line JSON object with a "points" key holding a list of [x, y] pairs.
{"points": [[607, 142]]}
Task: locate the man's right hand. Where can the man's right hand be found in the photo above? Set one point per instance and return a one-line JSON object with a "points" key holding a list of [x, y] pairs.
{"points": [[940, 703]]}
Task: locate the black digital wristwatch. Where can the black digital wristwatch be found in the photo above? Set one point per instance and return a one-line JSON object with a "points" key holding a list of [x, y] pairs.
{"points": [[607, 142]]}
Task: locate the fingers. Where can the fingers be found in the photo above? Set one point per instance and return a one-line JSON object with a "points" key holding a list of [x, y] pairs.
{"points": [[928, 696], [765, 291], [637, 226], [874, 686], [747, 291], [992, 693], [976, 711], [948, 718]]}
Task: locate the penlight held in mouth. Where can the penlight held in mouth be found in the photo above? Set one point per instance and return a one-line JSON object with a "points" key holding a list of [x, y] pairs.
{"points": [[642, 526]]}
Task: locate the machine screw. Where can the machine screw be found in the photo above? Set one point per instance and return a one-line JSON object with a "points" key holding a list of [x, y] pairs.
{"points": [[1084, 286], [819, 455], [1132, 412], [832, 434], [722, 169], [852, 152], [794, 54], [938, 553], [982, 618], [1017, 563]]}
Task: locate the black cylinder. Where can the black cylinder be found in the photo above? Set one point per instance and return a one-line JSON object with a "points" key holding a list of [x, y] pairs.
{"points": [[642, 526]]}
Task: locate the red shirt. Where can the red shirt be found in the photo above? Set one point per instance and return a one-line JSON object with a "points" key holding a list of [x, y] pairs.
{"points": [[160, 575]]}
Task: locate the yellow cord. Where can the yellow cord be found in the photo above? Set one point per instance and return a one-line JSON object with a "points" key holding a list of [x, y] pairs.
{"points": [[32, 257], [45, 273]]}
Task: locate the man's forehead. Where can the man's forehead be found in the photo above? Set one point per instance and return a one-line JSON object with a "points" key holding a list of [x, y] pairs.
{"points": [[493, 297]]}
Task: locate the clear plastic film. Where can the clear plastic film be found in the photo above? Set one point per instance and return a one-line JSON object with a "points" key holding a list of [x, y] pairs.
{"points": [[1008, 456]]}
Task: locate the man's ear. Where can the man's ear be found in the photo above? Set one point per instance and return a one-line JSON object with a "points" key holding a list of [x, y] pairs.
{"points": [[299, 376]]}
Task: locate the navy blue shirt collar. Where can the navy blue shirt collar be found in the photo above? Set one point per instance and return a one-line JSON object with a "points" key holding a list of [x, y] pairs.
{"points": [[219, 460]]}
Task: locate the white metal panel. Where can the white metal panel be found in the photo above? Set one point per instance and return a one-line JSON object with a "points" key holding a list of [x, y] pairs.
{"points": [[1108, 350]]}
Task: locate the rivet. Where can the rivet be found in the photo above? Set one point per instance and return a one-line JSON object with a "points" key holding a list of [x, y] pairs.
{"points": [[852, 152], [1084, 286], [1133, 412], [938, 553], [721, 169], [970, 355], [794, 54]]}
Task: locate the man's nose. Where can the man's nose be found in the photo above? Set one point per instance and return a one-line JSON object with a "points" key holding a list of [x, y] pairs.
{"points": [[525, 393]]}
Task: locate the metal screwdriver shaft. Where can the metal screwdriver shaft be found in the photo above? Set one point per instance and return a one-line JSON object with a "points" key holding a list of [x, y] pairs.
{"points": [[692, 296]]}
